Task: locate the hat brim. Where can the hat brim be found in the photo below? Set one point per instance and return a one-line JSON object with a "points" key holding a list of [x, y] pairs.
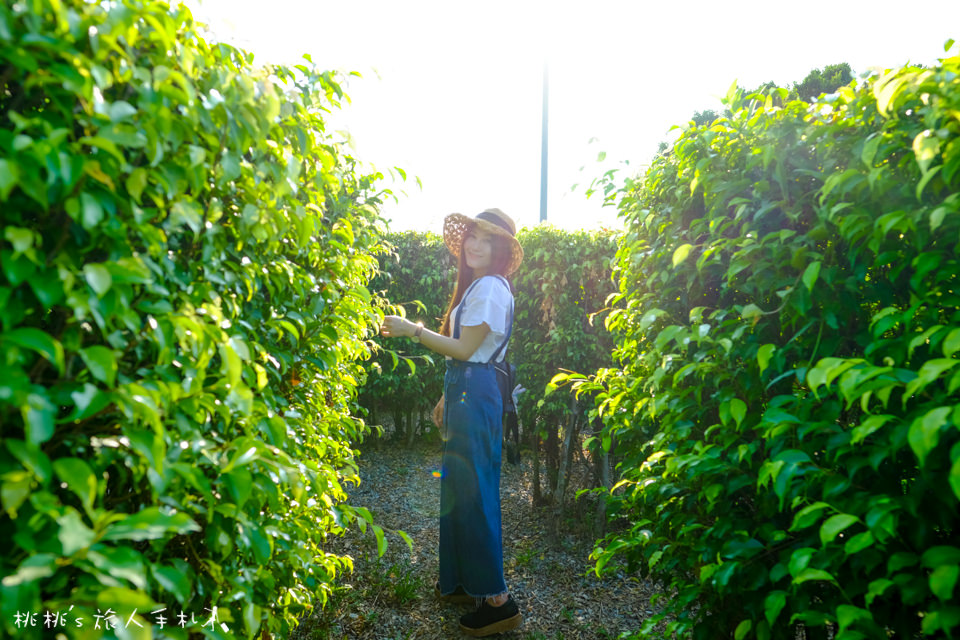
{"points": [[456, 225]]}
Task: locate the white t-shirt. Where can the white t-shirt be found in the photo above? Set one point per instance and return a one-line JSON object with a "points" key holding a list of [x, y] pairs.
{"points": [[489, 300]]}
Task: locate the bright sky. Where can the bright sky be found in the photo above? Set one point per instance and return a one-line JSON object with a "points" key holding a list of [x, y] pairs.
{"points": [[452, 92]]}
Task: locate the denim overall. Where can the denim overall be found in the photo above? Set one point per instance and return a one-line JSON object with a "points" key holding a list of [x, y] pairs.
{"points": [[471, 539]]}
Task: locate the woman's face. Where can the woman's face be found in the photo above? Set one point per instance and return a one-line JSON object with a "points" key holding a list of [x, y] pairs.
{"points": [[478, 251]]}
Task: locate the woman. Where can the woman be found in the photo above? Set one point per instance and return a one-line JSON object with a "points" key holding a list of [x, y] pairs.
{"points": [[474, 334]]}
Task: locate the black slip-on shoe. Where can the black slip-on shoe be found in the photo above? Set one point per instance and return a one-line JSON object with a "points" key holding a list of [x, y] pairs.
{"points": [[488, 620], [459, 596]]}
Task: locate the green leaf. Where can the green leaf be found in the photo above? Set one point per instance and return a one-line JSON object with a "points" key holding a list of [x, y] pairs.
{"points": [[186, 212], [945, 618], [900, 560], [121, 563], [406, 538], [751, 311], [955, 478], [36, 567], [20, 238], [927, 177], [91, 212], [870, 149], [260, 543], [87, 402], [742, 630], [650, 317], [886, 89], [101, 362], [121, 110], [940, 555], [924, 432], [17, 268], [951, 344], [230, 364], [849, 615], [926, 147], [834, 525], [239, 483], [813, 574], [365, 515], [936, 217], [9, 176], [15, 487], [150, 524], [943, 579], [38, 341], [231, 166], [929, 372], [79, 478], [39, 416], [102, 143], [858, 543], [810, 275], [555, 383], [240, 347], [48, 287], [876, 588], [197, 154], [764, 354], [870, 425], [136, 183], [827, 370], [32, 458], [681, 253], [763, 630], [244, 454], [793, 456], [173, 580], [799, 560], [738, 410], [381, 540], [73, 533], [773, 605], [808, 515], [98, 277]]}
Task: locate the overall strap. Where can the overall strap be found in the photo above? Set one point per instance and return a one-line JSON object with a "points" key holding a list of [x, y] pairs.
{"points": [[506, 338]]}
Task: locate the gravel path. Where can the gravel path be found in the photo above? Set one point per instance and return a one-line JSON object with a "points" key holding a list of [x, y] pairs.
{"points": [[392, 597]]}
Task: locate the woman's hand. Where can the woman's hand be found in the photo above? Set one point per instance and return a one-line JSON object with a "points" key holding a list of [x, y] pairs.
{"points": [[437, 414], [397, 327], [459, 348]]}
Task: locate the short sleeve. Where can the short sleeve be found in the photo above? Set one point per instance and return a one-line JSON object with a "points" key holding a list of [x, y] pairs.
{"points": [[489, 302]]}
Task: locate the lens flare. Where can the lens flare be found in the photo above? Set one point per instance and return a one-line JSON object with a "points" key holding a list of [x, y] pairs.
{"points": [[437, 473]]}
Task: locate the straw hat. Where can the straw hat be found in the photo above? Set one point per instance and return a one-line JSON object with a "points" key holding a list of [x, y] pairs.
{"points": [[456, 225]]}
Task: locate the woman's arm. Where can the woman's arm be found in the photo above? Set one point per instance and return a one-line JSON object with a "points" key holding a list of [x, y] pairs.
{"points": [[458, 348]]}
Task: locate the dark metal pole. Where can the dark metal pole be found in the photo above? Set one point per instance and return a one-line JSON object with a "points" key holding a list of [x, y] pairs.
{"points": [[543, 147]]}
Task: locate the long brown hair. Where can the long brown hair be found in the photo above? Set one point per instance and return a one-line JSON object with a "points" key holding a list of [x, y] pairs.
{"points": [[499, 258]]}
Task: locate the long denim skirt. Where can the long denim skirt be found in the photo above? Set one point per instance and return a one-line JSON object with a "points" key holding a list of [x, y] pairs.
{"points": [[471, 539]]}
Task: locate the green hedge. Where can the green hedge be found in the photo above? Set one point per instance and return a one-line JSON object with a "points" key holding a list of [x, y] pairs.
{"points": [[786, 389], [562, 291], [183, 309], [416, 278]]}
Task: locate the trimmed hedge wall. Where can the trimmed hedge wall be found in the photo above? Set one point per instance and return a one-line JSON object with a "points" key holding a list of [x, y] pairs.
{"points": [[785, 397], [182, 313]]}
